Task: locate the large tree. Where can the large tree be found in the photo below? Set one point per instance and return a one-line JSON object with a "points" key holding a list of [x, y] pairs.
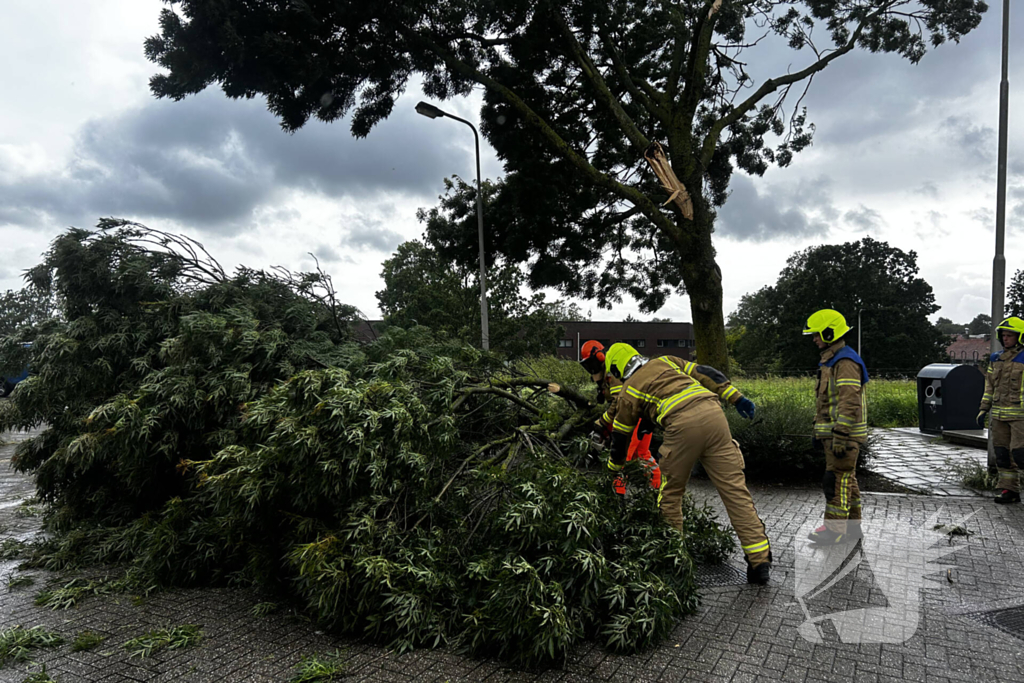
{"points": [[575, 96], [869, 276]]}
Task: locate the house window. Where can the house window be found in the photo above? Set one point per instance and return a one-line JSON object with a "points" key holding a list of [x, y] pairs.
{"points": [[565, 343], [635, 343], [668, 344]]}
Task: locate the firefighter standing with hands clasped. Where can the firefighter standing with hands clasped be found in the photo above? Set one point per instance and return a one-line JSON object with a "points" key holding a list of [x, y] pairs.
{"points": [[1004, 398], [840, 425], [683, 398]]}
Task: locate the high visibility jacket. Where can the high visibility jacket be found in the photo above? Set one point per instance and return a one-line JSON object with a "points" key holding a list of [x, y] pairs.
{"points": [[840, 405], [610, 389], [667, 385], [1004, 391]]}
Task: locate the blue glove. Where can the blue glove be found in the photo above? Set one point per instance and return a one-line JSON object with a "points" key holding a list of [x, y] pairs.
{"points": [[745, 407]]}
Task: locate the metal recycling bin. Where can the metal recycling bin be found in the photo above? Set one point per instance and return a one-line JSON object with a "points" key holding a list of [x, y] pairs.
{"points": [[948, 397]]}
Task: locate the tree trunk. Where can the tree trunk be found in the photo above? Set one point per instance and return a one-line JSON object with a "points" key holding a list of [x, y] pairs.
{"points": [[703, 280]]}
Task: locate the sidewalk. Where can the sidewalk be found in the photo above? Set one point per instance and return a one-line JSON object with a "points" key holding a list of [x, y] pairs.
{"points": [[919, 461], [741, 633]]}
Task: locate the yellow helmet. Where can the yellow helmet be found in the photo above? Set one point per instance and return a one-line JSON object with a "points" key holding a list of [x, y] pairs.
{"points": [[1013, 324], [831, 325], [619, 361]]}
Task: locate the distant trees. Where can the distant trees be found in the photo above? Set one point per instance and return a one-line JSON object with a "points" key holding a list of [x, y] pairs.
{"points": [[867, 275], [1015, 295], [423, 288], [982, 324], [24, 307]]}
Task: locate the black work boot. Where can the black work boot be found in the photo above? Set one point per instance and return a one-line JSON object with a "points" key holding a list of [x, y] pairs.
{"points": [[1008, 496], [758, 574]]}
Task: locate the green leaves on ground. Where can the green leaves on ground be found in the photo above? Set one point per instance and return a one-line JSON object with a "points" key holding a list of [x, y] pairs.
{"points": [[326, 667], [16, 642], [173, 638]]}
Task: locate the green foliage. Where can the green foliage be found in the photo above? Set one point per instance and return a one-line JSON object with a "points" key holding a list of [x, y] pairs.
{"points": [[26, 307], [173, 638], [16, 642], [982, 324], [19, 581], [327, 667], [867, 274], [71, 593], [262, 609], [777, 444], [421, 288], [573, 95], [39, 677], [86, 640], [1015, 295], [415, 490], [12, 548], [970, 473]]}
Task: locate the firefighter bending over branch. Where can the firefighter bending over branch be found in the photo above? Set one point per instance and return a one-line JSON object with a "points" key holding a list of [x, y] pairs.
{"points": [[840, 425], [1004, 398], [683, 398], [643, 446]]}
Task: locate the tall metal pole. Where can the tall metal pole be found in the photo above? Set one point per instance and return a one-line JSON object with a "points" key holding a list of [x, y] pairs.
{"points": [[430, 111], [859, 352], [485, 334], [999, 262]]}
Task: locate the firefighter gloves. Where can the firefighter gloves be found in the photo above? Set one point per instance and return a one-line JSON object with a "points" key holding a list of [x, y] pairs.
{"points": [[981, 419], [745, 407]]}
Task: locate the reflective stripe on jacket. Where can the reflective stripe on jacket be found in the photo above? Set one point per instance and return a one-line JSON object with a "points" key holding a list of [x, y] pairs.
{"points": [[665, 385], [1004, 391], [840, 405], [610, 389]]}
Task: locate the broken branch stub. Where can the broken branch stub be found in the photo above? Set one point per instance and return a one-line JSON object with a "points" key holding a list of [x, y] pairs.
{"points": [[655, 156]]}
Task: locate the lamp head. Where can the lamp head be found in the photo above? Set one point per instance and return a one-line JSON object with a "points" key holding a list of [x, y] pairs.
{"points": [[429, 110]]}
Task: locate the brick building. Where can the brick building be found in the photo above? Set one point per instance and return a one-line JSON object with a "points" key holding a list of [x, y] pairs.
{"points": [[650, 339], [973, 350]]}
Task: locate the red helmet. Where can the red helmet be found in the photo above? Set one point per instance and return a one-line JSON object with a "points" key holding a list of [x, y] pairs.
{"points": [[592, 356]]}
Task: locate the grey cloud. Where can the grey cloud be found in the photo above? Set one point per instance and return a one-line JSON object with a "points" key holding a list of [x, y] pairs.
{"points": [[983, 215], [803, 211], [928, 189], [976, 141], [209, 162], [326, 253], [864, 218], [370, 235]]}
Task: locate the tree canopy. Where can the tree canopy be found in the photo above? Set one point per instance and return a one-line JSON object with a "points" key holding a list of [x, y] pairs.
{"points": [[1015, 295], [575, 97], [868, 276]]}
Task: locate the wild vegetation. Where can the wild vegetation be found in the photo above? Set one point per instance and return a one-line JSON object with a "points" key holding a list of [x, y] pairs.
{"points": [[205, 428]]}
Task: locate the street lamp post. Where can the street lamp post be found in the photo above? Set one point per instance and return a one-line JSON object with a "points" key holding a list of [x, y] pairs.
{"points": [[999, 261], [432, 112]]}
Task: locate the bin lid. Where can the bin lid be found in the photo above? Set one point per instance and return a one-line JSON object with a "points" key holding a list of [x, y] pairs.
{"points": [[936, 370]]}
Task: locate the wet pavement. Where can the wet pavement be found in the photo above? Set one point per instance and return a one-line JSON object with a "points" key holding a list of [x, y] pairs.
{"points": [[921, 462], [741, 632]]}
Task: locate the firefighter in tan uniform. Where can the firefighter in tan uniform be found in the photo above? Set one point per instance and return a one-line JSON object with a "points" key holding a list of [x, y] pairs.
{"points": [[642, 445], [1004, 398], [684, 398], [840, 425]]}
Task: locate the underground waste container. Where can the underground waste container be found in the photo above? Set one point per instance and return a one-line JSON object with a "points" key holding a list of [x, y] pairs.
{"points": [[948, 397]]}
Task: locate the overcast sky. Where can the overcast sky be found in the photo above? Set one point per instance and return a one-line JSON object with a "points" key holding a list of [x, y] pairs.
{"points": [[905, 154]]}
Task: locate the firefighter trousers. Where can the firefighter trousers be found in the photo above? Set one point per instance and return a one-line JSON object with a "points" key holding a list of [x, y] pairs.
{"points": [[699, 431], [1008, 441], [842, 494]]}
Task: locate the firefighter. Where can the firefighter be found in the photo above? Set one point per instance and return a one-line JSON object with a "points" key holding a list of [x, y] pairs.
{"points": [[840, 425], [684, 398], [1003, 398], [642, 446]]}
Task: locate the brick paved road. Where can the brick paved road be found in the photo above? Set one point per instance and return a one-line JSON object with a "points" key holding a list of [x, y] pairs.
{"points": [[741, 633]]}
